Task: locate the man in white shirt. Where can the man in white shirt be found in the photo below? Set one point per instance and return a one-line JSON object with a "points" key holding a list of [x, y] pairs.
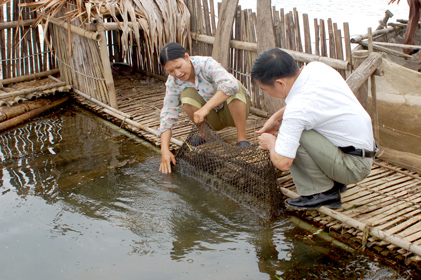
{"points": [[323, 135]]}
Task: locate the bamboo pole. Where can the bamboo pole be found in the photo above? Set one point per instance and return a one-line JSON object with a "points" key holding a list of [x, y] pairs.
{"points": [[77, 30], [370, 40], [298, 56], [8, 113], [332, 50], [16, 34], [393, 239], [26, 116], [412, 47], [282, 28], [374, 109], [386, 50], [299, 45], [16, 24], [106, 66], [323, 48], [347, 46], [307, 38], [389, 29], [212, 12], [2, 46], [26, 91], [9, 43], [29, 77], [321, 234], [316, 37]]}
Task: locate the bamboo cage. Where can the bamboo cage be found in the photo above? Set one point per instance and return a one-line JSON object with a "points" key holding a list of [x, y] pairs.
{"points": [[22, 48]]}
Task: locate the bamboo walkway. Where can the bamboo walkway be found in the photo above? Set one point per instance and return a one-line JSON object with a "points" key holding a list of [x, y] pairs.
{"points": [[382, 212]]}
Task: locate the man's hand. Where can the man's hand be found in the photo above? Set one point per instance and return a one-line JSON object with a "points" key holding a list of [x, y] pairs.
{"points": [[266, 141], [271, 126], [200, 115], [166, 160]]}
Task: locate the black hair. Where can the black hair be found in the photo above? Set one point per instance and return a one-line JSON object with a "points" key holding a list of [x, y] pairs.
{"points": [[273, 64], [170, 52]]}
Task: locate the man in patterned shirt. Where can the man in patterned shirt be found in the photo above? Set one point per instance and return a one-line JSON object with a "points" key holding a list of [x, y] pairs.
{"points": [[206, 90]]}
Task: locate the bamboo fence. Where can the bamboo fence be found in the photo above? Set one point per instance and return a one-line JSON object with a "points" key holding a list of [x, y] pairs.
{"points": [[22, 48], [321, 39]]}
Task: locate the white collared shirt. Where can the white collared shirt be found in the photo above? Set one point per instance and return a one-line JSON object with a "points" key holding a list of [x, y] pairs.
{"points": [[321, 100]]}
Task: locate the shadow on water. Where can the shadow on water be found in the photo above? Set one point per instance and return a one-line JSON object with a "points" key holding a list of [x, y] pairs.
{"points": [[81, 199]]}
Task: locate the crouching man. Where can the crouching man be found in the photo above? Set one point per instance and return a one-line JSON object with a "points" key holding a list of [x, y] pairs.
{"points": [[323, 134]]}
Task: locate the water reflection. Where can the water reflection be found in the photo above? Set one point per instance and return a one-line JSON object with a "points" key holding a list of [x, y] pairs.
{"points": [[81, 200]]}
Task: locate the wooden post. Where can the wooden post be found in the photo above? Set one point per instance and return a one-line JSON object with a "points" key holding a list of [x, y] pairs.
{"points": [[362, 92], [265, 41], [282, 27], [323, 48], [223, 33], [307, 38], [332, 52], [105, 59], [297, 31], [316, 37], [365, 66], [347, 46]]}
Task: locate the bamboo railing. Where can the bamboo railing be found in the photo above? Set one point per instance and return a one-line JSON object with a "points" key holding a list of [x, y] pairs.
{"points": [[22, 48]]}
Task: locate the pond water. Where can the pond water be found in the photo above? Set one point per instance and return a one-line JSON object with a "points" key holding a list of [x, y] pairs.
{"points": [[81, 199]]}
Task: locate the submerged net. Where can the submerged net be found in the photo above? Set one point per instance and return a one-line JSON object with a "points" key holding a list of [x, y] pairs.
{"points": [[245, 174]]}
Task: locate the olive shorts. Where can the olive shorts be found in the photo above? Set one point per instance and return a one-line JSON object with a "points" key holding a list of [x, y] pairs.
{"points": [[222, 118]]}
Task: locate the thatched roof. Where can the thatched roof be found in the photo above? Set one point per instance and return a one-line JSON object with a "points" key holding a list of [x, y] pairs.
{"points": [[161, 21]]}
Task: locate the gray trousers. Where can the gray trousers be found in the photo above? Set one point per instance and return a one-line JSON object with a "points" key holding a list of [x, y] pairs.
{"points": [[318, 163]]}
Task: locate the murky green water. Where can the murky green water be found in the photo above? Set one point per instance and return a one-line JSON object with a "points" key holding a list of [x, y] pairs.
{"points": [[80, 200]]}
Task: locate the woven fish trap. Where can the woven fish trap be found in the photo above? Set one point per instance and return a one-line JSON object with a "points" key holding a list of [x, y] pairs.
{"points": [[244, 174]]}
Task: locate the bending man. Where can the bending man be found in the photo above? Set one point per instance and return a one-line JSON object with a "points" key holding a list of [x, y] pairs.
{"points": [[323, 134]]}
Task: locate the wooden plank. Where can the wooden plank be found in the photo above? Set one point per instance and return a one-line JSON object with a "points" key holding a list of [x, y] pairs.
{"points": [[223, 33], [347, 45], [316, 37], [323, 48], [277, 26], [307, 37], [265, 41], [332, 52], [299, 45], [212, 11], [282, 29], [2, 47], [9, 43]]}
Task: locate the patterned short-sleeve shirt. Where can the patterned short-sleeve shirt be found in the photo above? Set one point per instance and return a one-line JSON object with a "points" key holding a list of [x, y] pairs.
{"points": [[210, 77]]}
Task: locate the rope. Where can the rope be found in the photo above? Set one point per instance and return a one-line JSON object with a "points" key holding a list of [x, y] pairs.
{"points": [[80, 73], [366, 234], [20, 58]]}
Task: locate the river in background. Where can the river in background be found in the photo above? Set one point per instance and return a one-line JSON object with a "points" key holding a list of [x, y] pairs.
{"points": [[82, 199], [359, 14]]}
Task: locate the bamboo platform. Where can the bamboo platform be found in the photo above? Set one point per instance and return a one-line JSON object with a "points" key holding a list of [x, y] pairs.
{"points": [[388, 200]]}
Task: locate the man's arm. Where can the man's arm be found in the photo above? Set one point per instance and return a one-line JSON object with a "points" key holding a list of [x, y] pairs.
{"points": [[267, 142]]}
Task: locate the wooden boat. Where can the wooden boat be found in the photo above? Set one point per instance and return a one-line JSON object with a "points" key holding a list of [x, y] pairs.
{"points": [[397, 93]]}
